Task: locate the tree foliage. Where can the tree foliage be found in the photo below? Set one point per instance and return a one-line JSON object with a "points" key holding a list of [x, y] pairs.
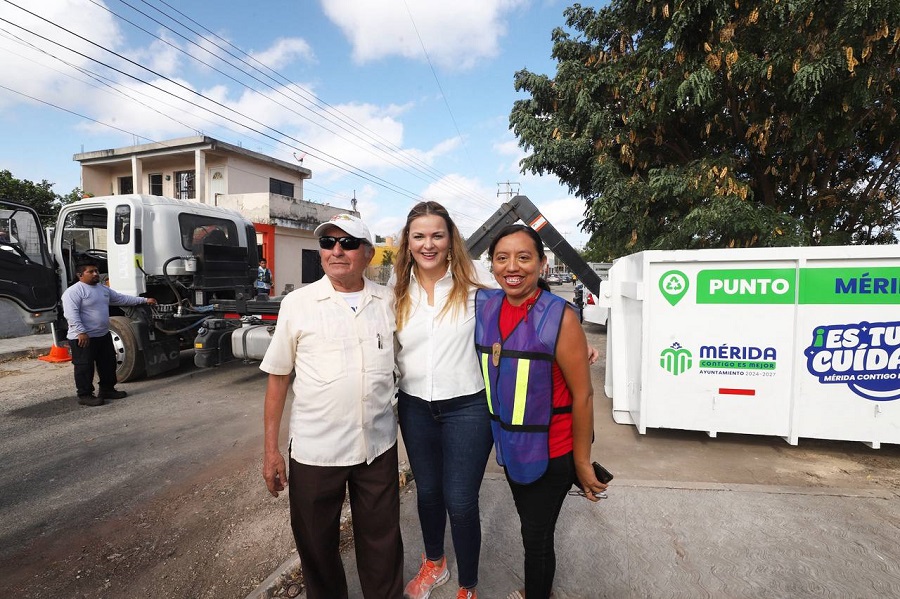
{"points": [[387, 257], [721, 123], [36, 195]]}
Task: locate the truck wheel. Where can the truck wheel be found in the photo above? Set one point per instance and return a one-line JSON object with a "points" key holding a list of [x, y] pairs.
{"points": [[129, 363]]}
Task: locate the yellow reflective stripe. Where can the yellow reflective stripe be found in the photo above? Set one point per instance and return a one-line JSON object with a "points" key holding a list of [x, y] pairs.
{"points": [[518, 415], [487, 381]]}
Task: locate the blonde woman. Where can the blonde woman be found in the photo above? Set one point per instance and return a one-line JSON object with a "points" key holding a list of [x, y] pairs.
{"points": [[442, 406]]}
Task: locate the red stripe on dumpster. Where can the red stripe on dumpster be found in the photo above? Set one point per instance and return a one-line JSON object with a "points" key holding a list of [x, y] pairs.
{"points": [[723, 391]]}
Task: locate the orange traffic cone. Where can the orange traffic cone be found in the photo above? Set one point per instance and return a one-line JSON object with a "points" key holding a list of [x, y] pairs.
{"points": [[57, 352]]}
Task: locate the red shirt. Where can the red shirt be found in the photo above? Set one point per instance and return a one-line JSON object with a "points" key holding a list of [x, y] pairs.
{"points": [[560, 441]]}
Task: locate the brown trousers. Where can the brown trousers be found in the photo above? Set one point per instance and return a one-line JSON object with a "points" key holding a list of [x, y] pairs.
{"points": [[316, 496]]}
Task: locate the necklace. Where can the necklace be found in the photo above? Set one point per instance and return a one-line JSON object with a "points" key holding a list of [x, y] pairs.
{"points": [[497, 347]]}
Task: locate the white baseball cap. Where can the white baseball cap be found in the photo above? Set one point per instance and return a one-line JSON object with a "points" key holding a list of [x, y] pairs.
{"points": [[349, 224]]}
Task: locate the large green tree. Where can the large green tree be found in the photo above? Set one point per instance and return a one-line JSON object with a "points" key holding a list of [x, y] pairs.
{"points": [[36, 195], [722, 123]]}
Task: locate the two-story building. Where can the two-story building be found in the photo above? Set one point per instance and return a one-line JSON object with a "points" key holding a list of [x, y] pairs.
{"points": [[266, 190]]}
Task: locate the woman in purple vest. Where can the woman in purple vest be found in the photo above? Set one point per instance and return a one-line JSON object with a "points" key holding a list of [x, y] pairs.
{"points": [[536, 372]]}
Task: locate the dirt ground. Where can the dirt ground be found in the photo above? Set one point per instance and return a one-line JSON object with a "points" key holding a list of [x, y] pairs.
{"points": [[202, 531], [212, 536]]}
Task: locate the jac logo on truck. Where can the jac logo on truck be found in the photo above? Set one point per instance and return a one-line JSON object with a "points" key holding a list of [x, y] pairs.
{"points": [[160, 357], [864, 356]]}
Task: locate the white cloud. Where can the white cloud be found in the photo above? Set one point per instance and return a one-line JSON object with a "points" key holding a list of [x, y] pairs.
{"points": [[509, 148], [29, 70], [369, 137], [456, 35], [283, 52], [164, 58], [370, 210], [468, 200]]}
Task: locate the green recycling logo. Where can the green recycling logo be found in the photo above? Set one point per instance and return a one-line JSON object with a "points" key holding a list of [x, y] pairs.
{"points": [[673, 285], [676, 359]]}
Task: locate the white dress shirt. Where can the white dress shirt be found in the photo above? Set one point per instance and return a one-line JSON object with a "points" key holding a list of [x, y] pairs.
{"points": [[344, 363], [436, 354]]}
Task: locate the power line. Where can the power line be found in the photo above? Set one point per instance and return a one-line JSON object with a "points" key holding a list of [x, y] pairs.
{"points": [[326, 108], [105, 82], [72, 112], [368, 148], [334, 161], [434, 74], [317, 102]]}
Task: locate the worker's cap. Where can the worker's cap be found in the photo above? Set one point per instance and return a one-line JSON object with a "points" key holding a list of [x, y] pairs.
{"points": [[350, 225]]}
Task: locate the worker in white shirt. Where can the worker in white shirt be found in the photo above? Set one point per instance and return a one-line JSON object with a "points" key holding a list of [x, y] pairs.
{"points": [[336, 335]]}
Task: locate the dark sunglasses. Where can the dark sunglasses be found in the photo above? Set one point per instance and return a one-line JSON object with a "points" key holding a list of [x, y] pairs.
{"points": [[347, 243]]}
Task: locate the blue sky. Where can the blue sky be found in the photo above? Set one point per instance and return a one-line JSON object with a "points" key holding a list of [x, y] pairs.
{"points": [[419, 93]]}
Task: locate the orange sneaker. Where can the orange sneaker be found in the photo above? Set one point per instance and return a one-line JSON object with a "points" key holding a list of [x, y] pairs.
{"points": [[430, 575], [463, 593]]}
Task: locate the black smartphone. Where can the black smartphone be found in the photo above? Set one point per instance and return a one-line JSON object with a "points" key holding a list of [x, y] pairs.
{"points": [[602, 474]]}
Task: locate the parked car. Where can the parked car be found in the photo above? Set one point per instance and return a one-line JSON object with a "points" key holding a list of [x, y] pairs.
{"points": [[566, 277], [553, 280], [591, 310]]}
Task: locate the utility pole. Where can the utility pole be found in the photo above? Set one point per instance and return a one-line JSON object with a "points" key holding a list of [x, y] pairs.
{"points": [[512, 190]]}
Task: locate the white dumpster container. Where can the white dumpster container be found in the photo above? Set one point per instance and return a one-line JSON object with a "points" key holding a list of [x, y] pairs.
{"points": [[794, 342]]}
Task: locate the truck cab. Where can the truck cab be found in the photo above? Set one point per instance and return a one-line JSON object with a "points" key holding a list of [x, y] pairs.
{"points": [[189, 256], [157, 246]]}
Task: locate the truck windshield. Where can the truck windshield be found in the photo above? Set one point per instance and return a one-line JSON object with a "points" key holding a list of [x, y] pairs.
{"points": [[199, 229]]}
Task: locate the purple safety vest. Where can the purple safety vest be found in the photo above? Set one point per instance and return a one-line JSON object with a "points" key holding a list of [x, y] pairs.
{"points": [[519, 386]]}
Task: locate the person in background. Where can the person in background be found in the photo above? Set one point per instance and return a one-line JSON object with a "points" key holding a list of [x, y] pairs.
{"points": [[537, 377], [441, 404], [264, 280], [86, 308], [336, 335]]}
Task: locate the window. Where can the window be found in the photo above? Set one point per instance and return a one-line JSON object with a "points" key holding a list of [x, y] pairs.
{"points": [[122, 233], [281, 187], [311, 266], [184, 185], [126, 185], [156, 184], [199, 229]]}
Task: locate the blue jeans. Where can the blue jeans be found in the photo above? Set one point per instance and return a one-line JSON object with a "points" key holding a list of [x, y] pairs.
{"points": [[448, 443]]}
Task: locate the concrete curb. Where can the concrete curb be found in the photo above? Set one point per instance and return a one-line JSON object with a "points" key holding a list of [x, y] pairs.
{"points": [[30, 346], [277, 580], [287, 573], [28, 352]]}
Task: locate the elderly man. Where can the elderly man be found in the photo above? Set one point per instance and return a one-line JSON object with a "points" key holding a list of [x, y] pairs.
{"points": [[337, 336]]}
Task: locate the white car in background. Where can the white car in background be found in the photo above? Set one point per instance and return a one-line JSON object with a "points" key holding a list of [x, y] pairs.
{"points": [[596, 309]]}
